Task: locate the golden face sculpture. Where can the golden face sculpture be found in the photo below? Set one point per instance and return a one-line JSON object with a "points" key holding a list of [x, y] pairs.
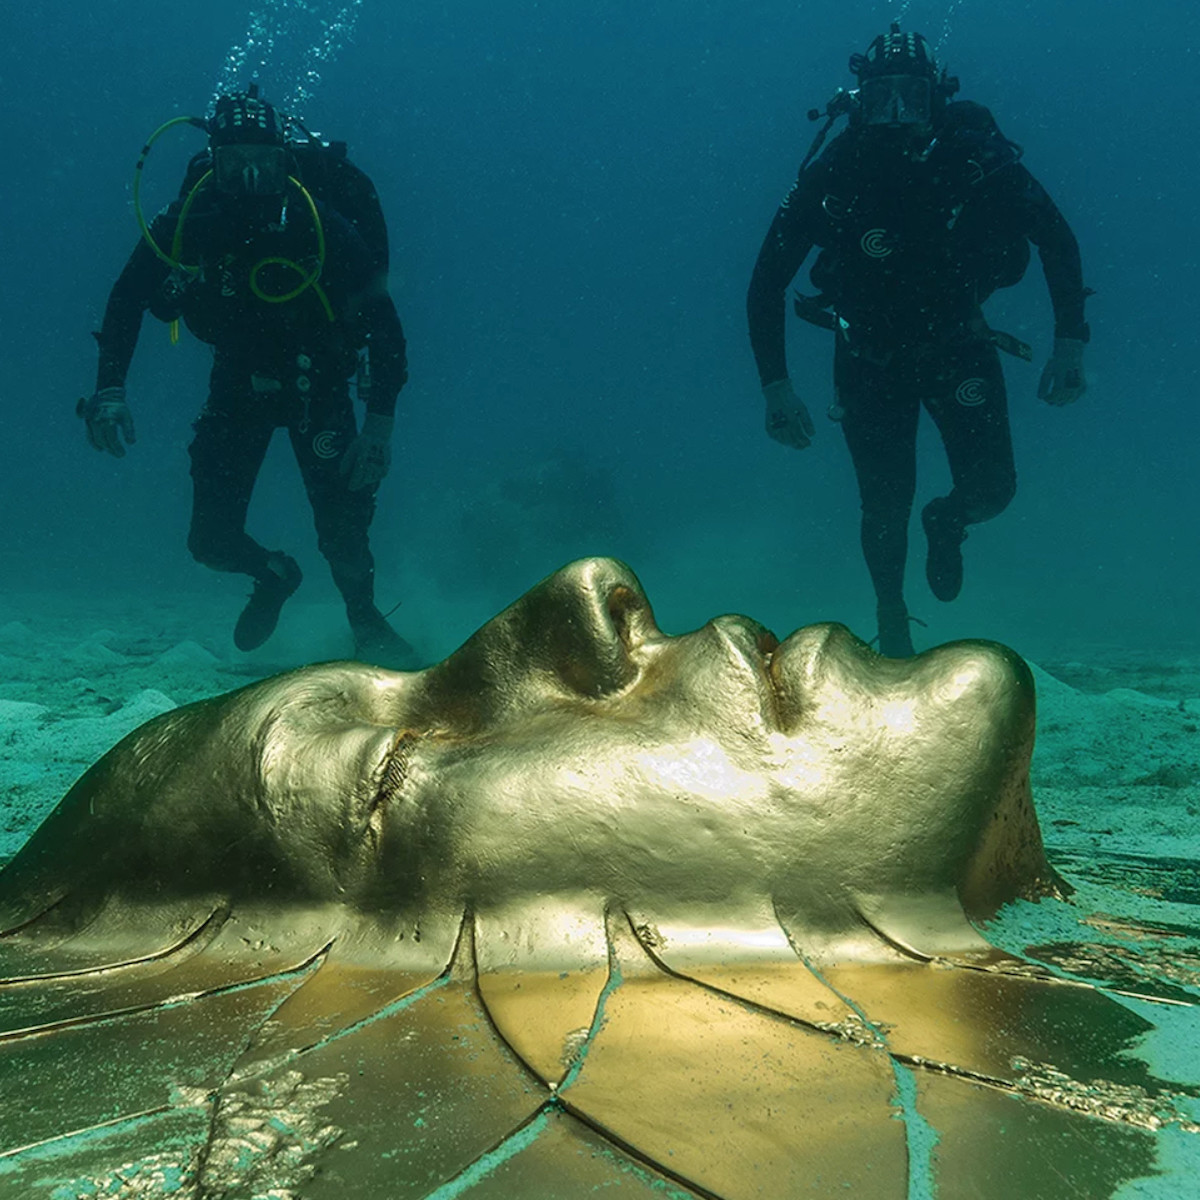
{"points": [[583, 906]]}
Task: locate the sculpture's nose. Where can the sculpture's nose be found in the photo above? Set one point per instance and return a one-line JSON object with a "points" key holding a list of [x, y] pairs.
{"points": [[587, 622], [578, 633]]}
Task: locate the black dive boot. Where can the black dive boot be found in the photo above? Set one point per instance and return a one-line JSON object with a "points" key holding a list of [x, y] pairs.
{"points": [[895, 634], [945, 533], [271, 590], [377, 643]]}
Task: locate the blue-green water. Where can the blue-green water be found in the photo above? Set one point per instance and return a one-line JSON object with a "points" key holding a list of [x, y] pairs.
{"points": [[576, 195]]}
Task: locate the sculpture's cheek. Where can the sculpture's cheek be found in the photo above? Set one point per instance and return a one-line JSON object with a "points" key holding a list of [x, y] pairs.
{"points": [[619, 815]]}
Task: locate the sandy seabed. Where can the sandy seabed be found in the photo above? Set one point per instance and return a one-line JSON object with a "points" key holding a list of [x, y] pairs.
{"points": [[1116, 779]]}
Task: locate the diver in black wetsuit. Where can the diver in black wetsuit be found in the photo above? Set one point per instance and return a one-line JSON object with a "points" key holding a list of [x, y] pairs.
{"points": [[921, 209], [275, 254]]}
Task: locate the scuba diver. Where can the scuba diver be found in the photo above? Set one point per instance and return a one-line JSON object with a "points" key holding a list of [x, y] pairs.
{"points": [[920, 210], [274, 253]]}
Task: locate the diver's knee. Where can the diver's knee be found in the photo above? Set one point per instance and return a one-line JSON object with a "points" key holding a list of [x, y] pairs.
{"points": [[985, 505]]}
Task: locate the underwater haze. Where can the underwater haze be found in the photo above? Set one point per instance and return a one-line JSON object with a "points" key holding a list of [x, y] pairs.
{"points": [[576, 195]]}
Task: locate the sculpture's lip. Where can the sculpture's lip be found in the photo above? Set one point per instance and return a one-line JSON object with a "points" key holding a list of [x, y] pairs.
{"points": [[788, 674], [810, 660], [753, 647]]}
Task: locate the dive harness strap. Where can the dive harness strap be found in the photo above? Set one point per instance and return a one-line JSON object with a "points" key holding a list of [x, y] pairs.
{"points": [[816, 311]]}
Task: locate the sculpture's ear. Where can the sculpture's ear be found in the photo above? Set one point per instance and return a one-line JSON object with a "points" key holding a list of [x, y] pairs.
{"points": [[574, 634]]}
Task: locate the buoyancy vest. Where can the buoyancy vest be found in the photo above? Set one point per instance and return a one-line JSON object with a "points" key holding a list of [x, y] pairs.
{"points": [[911, 240]]}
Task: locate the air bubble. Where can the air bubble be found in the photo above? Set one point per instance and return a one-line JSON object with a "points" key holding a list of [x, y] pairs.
{"points": [[286, 43]]}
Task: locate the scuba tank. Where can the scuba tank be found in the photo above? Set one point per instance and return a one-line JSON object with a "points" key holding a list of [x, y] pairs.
{"points": [[326, 170]]}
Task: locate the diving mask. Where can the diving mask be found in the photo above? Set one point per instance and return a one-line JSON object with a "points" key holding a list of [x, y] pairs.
{"points": [[250, 169], [904, 100]]}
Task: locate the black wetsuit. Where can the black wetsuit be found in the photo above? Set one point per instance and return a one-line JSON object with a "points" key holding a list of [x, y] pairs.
{"points": [[276, 365], [913, 240]]}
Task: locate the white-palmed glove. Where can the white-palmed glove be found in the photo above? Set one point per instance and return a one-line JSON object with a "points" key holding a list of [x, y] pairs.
{"points": [[108, 419], [1062, 380], [787, 419], [369, 457]]}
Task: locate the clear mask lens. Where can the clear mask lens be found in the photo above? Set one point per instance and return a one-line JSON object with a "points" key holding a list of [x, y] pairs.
{"points": [[896, 100], [250, 170]]}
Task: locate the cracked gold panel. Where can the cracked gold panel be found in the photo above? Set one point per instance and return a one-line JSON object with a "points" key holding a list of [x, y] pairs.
{"points": [[582, 907]]}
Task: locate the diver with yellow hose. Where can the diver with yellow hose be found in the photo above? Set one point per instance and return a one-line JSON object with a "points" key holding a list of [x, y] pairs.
{"points": [[275, 254]]}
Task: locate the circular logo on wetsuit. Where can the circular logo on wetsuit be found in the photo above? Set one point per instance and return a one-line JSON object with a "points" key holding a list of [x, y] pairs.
{"points": [[971, 392], [325, 444], [876, 244]]}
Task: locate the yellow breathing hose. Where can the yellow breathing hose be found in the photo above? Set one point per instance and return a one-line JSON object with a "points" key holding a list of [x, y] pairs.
{"points": [[307, 279], [137, 191], [174, 261], [177, 241]]}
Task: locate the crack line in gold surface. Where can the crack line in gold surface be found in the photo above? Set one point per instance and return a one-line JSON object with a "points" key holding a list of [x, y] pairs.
{"points": [[132, 1119], [919, 1135], [221, 912], [830, 1028], [105, 1018], [508, 1147], [388, 1010], [611, 984], [885, 937], [633, 1152], [15, 929], [556, 1101], [1060, 1091], [477, 991]]}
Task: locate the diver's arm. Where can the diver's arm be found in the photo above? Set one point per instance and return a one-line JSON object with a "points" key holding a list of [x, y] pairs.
{"points": [[369, 313], [784, 250], [127, 303], [383, 336], [1048, 230], [106, 415], [1063, 381], [368, 458]]}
